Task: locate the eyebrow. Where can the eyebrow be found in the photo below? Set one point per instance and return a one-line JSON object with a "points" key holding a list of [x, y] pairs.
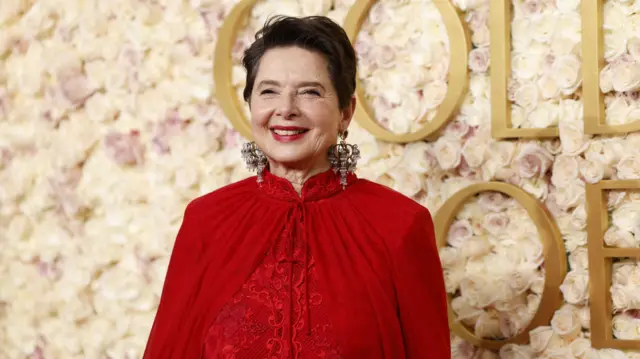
{"points": [[299, 84]]}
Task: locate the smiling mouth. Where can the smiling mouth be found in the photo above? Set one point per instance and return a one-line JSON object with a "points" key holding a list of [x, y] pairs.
{"points": [[288, 132]]}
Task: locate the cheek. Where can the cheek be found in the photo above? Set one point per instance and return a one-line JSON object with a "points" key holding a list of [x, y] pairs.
{"points": [[260, 115]]}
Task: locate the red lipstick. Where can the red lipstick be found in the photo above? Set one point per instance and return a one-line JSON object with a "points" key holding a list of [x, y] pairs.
{"points": [[287, 134]]}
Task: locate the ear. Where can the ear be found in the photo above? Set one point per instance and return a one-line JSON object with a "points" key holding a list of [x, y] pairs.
{"points": [[347, 114]]}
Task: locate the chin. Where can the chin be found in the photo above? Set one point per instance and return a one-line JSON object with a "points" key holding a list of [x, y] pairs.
{"points": [[286, 157]]}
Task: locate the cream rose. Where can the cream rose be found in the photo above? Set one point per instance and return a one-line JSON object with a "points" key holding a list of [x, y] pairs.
{"points": [[615, 237], [526, 96], [546, 114], [592, 171], [566, 72], [606, 78], [566, 322], [448, 152], [575, 287], [626, 75], [626, 217], [493, 201], [579, 259], [564, 170], [488, 325], [514, 351], [532, 160], [459, 233], [479, 59], [629, 166]]}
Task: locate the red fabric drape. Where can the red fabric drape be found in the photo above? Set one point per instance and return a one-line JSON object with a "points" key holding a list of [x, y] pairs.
{"points": [[375, 258]]}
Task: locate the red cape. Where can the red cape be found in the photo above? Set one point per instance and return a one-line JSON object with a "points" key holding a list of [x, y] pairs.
{"points": [[375, 253]]}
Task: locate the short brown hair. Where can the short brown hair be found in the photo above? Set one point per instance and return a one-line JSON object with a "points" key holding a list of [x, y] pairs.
{"points": [[314, 33]]}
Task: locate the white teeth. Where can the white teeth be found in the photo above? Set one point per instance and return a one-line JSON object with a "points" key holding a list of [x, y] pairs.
{"points": [[288, 132]]}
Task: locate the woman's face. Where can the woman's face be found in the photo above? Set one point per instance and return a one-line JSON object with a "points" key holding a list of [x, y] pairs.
{"points": [[295, 114]]}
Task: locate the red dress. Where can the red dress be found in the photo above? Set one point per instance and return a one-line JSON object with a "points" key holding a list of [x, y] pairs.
{"points": [[258, 271]]}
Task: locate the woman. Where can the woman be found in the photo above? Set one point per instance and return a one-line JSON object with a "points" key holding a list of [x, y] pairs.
{"points": [[304, 260]]}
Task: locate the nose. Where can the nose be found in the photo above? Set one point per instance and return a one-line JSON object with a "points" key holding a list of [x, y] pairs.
{"points": [[287, 108]]}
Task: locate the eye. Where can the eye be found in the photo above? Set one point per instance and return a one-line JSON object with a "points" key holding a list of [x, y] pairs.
{"points": [[311, 92], [267, 92]]}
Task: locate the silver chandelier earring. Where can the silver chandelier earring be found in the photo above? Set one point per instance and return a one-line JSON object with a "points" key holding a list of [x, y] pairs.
{"points": [[344, 157], [254, 158]]}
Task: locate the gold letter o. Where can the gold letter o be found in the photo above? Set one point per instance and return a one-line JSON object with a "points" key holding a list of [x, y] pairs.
{"points": [[457, 84], [555, 260], [460, 46]]}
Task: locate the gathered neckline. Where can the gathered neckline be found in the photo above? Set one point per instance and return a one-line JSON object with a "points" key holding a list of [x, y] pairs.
{"points": [[317, 187]]}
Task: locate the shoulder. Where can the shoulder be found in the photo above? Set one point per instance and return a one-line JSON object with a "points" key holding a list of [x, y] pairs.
{"points": [[389, 211], [223, 198]]}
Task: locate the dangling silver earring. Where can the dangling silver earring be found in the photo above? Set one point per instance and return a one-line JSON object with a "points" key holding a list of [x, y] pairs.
{"points": [[344, 157], [254, 158]]}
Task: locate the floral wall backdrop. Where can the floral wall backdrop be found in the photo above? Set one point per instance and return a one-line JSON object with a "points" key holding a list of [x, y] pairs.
{"points": [[109, 125]]}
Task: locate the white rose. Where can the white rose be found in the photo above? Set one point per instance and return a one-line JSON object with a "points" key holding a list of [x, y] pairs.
{"points": [[567, 5], [433, 93], [526, 96], [479, 59], [625, 327], [447, 152], [566, 72], [548, 87], [592, 171], [493, 201], [514, 351], [461, 348], [580, 347], [474, 151], [418, 157], [538, 187], [488, 325], [575, 287], [575, 239], [495, 223], [464, 311], [525, 66], [564, 170], [629, 167], [579, 259], [476, 247], [617, 111], [626, 76], [546, 114], [606, 78], [566, 322], [532, 160], [626, 217], [619, 238], [459, 233], [479, 86], [480, 37], [570, 194], [615, 45], [314, 7]]}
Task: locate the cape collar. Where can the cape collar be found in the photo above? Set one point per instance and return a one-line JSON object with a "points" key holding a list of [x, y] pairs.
{"points": [[320, 186]]}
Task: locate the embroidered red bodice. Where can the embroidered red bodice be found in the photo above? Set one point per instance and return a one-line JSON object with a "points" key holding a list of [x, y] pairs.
{"points": [[279, 312]]}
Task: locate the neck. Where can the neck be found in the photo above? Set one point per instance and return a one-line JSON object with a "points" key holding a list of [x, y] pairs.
{"points": [[298, 176]]}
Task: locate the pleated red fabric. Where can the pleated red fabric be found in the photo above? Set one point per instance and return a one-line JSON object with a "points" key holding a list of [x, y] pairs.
{"points": [[258, 271]]}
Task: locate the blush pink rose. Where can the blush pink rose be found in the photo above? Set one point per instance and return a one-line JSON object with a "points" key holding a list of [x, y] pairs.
{"points": [[533, 160], [125, 149]]}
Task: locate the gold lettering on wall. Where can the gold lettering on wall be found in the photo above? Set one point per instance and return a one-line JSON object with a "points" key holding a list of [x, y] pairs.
{"points": [[460, 45], [555, 261], [601, 262], [592, 64], [500, 50], [231, 105]]}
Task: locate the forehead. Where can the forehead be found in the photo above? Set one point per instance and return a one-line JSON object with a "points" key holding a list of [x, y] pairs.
{"points": [[293, 63]]}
